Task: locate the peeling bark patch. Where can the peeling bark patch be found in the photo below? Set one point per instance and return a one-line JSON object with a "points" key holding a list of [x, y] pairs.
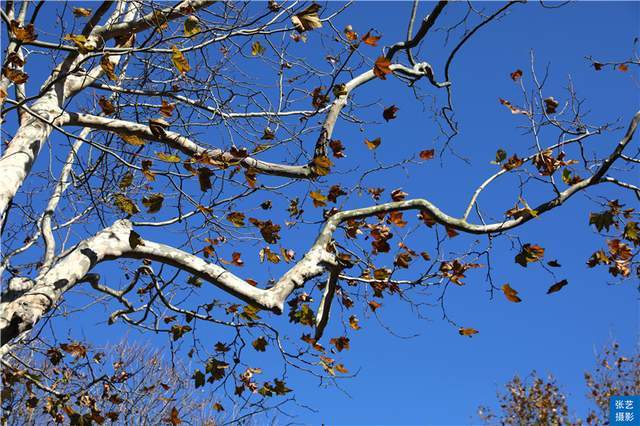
{"points": [[12, 330], [60, 284], [93, 257]]}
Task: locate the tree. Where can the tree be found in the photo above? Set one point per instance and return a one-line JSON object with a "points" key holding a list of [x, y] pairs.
{"points": [[163, 106], [540, 401]]}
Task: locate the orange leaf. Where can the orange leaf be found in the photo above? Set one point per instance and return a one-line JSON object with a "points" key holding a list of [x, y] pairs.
{"points": [[370, 39], [515, 76], [511, 294], [381, 67], [427, 154], [467, 331], [373, 144]]}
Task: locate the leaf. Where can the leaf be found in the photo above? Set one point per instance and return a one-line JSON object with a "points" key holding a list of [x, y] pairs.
{"points": [[174, 418], [167, 109], [337, 148], [529, 254], [369, 39], [467, 331], [168, 158], [353, 322], [191, 26], [16, 76], [554, 264], [269, 255], [146, 170], [268, 230], [601, 220], [106, 106], [513, 162], [374, 305], [250, 313], [515, 76], [179, 61], [153, 202], [373, 144], [23, 34], [131, 139], [81, 11], [135, 240], [126, 180], [427, 154], [108, 67], [308, 19], [204, 178], [321, 165], [260, 344], [257, 49], [318, 199], [551, 105], [75, 349], [334, 192], [218, 407], [511, 294], [382, 67], [557, 286], [390, 113], [235, 260], [81, 42], [513, 109], [237, 218], [198, 378], [126, 204], [597, 66], [350, 34], [341, 343], [623, 67], [177, 331], [501, 155]]}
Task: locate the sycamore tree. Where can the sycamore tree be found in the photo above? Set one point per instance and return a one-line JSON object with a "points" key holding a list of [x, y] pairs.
{"points": [[152, 150]]}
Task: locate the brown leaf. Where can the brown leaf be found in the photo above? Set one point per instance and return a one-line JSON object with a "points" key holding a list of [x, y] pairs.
{"points": [[108, 67], [557, 286], [382, 67], [390, 113], [81, 11], [24, 34], [318, 199], [374, 305], [106, 106], [623, 67], [131, 139], [427, 154], [174, 418], [16, 76], [551, 105], [467, 331], [167, 109], [204, 178], [515, 76], [511, 294], [513, 109], [337, 147], [373, 144], [528, 254], [321, 165], [341, 343], [260, 344], [369, 39]]}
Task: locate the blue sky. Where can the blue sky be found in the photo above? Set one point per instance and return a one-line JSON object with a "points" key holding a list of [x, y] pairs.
{"points": [[439, 377]]}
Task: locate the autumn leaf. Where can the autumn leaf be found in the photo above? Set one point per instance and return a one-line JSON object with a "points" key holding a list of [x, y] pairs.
{"points": [[515, 76], [513, 162], [236, 260], [260, 344], [623, 67], [237, 218], [167, 109], [369, 39], [554, 264], [321, 165], [318, 199], [126, 180], [373, 144], [557, 286], [427, 154], [179, 61], [511, 294], [81, 11], [528, 254], [204, 178], [174, 418], [501, 155], [467, 331], [146, 170], [390, 113], [125, 204], [308, 19], [269, 231], [131, 139], [218, 407], [597, 66], [349, 33], [74, 349], [153, 202], [374, 305], [177, 331], [341, 343], [24, 34], [382, 67], [353, 322], [81, 42], [257, 49], [168, 158], [341, 369], [108, 67], [106, 106], [16, 76], [191, 26], [551, 105]]}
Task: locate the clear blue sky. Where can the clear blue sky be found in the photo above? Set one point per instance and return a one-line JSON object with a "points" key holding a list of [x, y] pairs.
{"points": [[439, 377]]}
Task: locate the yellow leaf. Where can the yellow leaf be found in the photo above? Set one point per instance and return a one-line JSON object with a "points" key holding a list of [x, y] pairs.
{"points": [[321, 165], [24, 34], [81, 11], [125, 204], [108, 67], [373, 144], [191, 26], [308, 19], [318, 199], [257, 49], [131, 139], [180, 62], [511, 294], [168, 158]]}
